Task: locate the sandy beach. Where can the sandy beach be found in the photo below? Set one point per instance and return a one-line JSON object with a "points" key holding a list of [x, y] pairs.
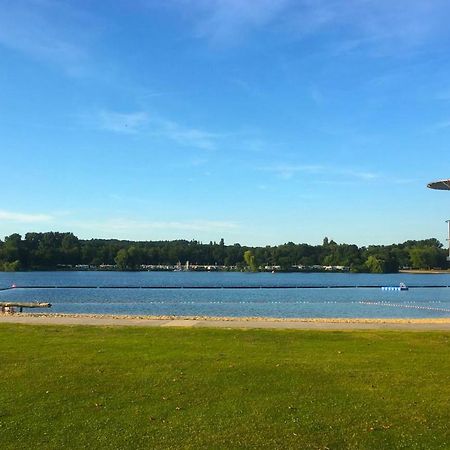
{"points": [[442, 324]]}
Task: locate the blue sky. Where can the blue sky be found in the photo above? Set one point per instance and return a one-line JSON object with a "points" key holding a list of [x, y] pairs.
{"points": [[261, 121]]}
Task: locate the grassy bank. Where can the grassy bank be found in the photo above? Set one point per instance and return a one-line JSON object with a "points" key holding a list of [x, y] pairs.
{"points": [[76, 387]]}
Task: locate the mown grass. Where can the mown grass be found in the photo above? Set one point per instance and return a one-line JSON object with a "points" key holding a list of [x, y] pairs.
{"points": [[117, 388]]}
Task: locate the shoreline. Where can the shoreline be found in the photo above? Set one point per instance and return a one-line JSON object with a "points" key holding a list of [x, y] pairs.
{"points": [[426, 272], [319, 323]]}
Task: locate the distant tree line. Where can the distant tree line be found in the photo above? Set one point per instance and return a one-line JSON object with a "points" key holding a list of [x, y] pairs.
{"points": [[53, 250]]}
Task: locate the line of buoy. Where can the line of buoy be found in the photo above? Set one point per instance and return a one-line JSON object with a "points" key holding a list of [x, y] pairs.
{"points": [[222, 287], [400, 305]]}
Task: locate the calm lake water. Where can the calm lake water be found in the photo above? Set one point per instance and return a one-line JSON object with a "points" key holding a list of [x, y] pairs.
{"points": [[232, 294]]}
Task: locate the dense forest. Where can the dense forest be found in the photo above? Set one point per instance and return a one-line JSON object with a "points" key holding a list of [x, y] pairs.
{"points": [[53, 250]]}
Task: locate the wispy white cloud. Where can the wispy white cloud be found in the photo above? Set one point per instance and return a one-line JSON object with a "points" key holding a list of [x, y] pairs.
{"points": [[120, 122], [150, 125], [21, 217], [317, 96], [443, 95], [197, 162], [438, 126], [46, 31], [368, 23], [380, 24], [403, 181], [442, 125], [254, 144], [225, 21], [388, 26], [248, 88], [181, 134], [288, 171], [130, 225], [367, 176]]}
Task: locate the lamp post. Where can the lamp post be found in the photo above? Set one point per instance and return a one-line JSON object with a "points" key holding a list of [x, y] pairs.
{"points": [[448, 240], [442, 185]]}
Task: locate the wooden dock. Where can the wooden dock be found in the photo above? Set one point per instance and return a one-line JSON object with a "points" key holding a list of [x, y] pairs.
{"points": [[9, 307]]}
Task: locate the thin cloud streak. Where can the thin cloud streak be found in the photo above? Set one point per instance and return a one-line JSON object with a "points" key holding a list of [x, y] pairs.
{"points": [[368, 176], [224, 21], [24, 217], [141, 122], [288, 171], [44, 31], [186, 136], [437, 127], [120, 224], [128, 123], [371, 23]]}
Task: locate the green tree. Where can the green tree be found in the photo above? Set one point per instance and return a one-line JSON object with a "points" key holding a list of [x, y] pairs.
{"points": [[13, 249], [425, 257], [13, 266], [249, 259], [70, 249], [374, 264], [122, 259], [134, 257]]}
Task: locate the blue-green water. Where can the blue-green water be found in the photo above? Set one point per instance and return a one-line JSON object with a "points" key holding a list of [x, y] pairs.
{"points": [[245, 294]]}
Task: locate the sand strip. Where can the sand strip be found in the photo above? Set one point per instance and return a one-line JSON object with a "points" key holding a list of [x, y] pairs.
{"points": [[442, 324]]}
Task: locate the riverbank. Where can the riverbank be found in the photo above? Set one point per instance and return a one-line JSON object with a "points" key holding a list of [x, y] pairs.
{"points": [[410, 324]]}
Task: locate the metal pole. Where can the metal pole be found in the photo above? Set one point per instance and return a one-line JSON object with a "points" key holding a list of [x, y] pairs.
{"points": [[448, 240]]}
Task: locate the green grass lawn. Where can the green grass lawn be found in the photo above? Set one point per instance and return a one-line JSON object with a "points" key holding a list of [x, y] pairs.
{"points": [[86, 387]]}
